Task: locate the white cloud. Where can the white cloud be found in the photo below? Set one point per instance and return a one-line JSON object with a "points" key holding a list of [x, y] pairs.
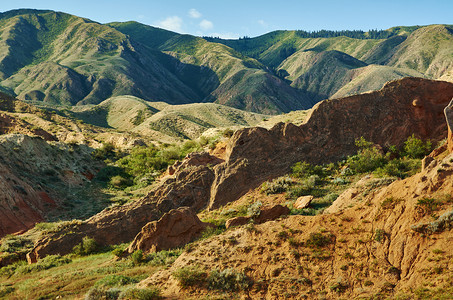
{"points": [[173, 23], [206, 25], [225, 35], [262, 23], [195, 14]]}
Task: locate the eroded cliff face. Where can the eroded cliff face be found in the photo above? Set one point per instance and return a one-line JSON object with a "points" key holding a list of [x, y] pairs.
{"points": [[35, 176], [386, 117], [21, 205], [253, 155]]}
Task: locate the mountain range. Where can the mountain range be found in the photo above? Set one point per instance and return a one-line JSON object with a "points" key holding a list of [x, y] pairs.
{"points": [[61, 59]]}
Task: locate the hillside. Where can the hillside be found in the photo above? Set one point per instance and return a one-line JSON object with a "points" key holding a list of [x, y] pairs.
{"points": [[378, 232], [323, 66], [189, 121], [59, 58], [70, 60]]}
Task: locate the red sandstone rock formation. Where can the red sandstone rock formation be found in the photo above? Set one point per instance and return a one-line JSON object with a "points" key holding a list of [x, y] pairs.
{"points": [[266, 214], [175, 229], [253, 155]]}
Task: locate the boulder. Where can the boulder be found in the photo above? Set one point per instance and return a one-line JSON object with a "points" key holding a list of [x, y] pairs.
{"points": [[237, 221], [303, 202], [194, 159], [175, 229], [271, 213], [266, 214]]}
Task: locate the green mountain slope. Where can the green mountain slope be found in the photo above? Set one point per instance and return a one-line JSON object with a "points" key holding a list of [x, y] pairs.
{"points": [[102, 60], [428, 50], [225, 76], [321, 73], [372, 78], [322, 66], [59, 58], [159, 119]]}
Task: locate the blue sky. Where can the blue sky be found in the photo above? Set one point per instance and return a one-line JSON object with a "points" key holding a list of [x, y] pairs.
{"points": [[237, 18]]}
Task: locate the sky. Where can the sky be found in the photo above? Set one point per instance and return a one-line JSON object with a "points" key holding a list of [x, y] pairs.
{"points": [[238, 18]]}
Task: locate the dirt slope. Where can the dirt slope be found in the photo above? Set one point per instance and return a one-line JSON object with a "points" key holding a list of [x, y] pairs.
{"points": [[386, 245]]}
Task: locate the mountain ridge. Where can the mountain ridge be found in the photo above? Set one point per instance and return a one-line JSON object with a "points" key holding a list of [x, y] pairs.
{"points": [[84, 62]]}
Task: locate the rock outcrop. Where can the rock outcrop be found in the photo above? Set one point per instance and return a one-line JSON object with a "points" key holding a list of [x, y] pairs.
{"points": [[385, 117], [254, 155], [188, 187], [303, 202], [266, 214], [175, 229], [388, 243]]}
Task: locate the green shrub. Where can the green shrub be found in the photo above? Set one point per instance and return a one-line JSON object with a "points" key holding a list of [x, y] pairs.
{"points": [[339, 287], [367, 159], [115, 280], [5, 290], [304, 170], [120, 287], [9, 270], [227, 280], [119, 250], [105, 174], [163, 257], [150, 293], [254, 209], [444, 222], [107, 151], [428, 204], [148, 160], [137, 257], [15, 243], [99, 293], [120, 182], [86, 247], [190, 276], [416, 148], [390, 202], [318, 240], [228, 133], [401, 167], [47, 262], [276, 186], [210, 231], [379, 235], [143, 160]]}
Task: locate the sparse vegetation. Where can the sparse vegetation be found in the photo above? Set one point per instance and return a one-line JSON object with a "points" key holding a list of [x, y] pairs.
{"points": [[227, 280], [390, 202], [379, 235], [416, 148], [22, 267], [120, 287], [276, 186], [86, 247], [137, 257], [319, 240], [190, 276]]}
